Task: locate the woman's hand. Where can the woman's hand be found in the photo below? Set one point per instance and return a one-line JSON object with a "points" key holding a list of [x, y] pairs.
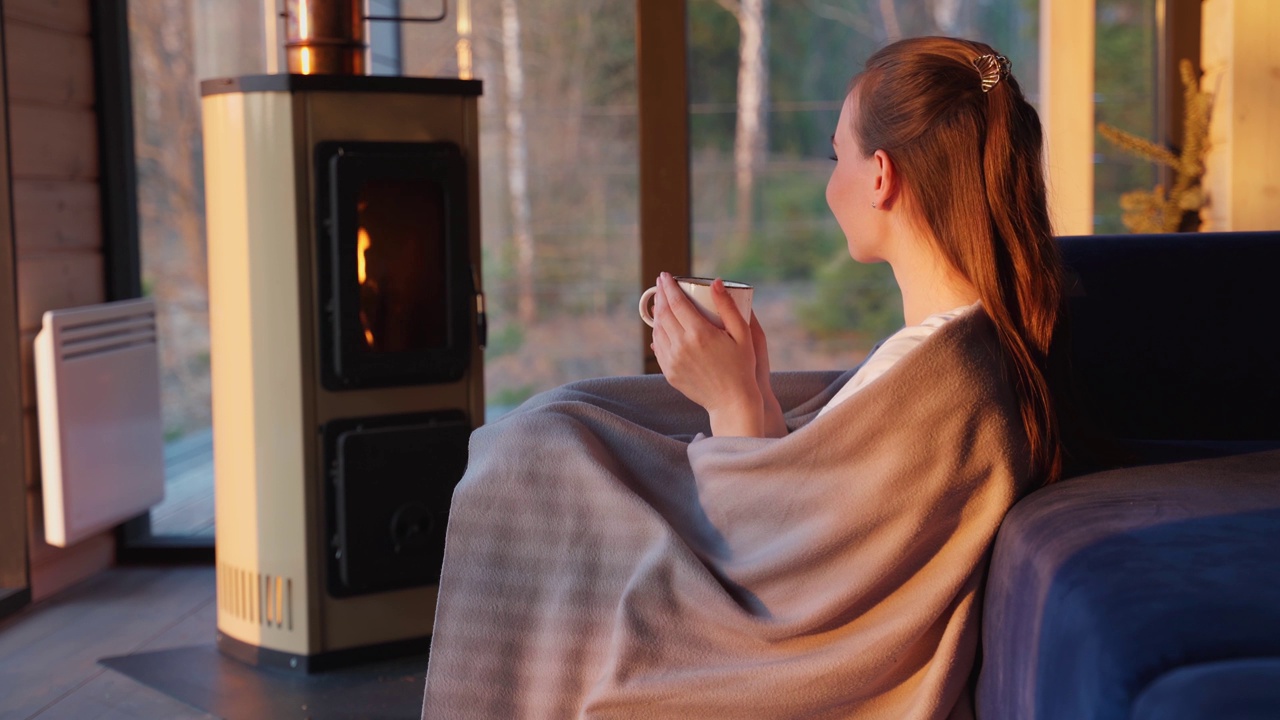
{"points": [[715, 368], [775, 426]]}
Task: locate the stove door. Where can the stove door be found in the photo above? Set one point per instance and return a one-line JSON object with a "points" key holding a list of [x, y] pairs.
{"points": [[391, 481], [395, 270]]}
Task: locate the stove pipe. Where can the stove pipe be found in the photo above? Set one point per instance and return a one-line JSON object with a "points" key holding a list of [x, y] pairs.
{"points": [[325, 37]]}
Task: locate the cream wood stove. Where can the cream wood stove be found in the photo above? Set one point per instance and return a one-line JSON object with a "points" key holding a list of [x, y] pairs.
{"points": [[347, 324]]}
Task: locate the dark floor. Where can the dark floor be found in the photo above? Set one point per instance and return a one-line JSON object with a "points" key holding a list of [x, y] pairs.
{"points": [[49, 651], [157, 626]]}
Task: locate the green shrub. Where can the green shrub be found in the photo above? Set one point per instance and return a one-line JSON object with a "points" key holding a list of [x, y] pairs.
{"points": [[511, 397], [853, 299], [505, 341], [794, 234]]}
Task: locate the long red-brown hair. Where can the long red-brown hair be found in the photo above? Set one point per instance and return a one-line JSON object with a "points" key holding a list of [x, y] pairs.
{"points": [[970, 164]]}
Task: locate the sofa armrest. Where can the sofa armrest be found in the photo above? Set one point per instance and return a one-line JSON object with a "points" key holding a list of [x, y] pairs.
{"points": [[1103, 583]]}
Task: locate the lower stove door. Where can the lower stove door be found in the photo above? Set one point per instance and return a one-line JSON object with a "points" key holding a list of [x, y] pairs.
{"points": [[391, 480]]}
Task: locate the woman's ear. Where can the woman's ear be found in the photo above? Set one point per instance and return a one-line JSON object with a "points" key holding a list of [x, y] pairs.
{"points": [[886, 180]]}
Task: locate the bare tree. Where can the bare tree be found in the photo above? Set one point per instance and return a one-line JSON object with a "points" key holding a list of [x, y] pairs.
{"points": [[517, 161], [171, 202], [750, 139], [889, 12]]}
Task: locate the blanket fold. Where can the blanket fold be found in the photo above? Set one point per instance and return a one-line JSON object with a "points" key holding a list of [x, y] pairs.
{"points": [[605, 559]]}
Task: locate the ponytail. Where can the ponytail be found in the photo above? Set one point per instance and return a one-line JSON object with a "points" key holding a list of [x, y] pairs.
{"points": [[968, 147]]}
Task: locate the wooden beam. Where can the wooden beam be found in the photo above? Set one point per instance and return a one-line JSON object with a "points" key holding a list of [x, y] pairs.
{"points": [[1240, 58], [1067, 40], [1177, 39], [665, 216]]}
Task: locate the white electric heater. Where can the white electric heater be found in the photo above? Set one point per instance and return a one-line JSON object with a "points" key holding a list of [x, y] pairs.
{"points": [[101, 438]]}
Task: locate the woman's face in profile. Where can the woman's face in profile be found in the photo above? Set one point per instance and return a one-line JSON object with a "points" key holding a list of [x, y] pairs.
{"points": [[852, 186]]}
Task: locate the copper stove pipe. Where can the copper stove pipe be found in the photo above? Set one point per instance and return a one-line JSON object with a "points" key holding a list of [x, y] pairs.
{"points": [[325, 37]]}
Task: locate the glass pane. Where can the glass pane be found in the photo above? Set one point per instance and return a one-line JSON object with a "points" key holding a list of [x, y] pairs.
{"points": [[174, 44], [1125, 98], [759, 204], [558, 180]]}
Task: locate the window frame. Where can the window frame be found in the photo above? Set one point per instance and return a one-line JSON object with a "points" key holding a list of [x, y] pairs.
{"points": [[121, 247]]}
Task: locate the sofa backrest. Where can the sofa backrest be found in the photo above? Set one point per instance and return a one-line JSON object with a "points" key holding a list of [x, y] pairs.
{"points": [[1177, 337]]}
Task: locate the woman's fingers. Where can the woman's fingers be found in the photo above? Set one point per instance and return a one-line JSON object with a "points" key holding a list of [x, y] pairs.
{"points": [[682, 308], [759, 342], [662, 312], [733, 321]]}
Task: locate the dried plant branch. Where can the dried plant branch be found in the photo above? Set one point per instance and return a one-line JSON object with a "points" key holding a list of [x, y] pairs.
{"points": [[1155, 210], [1141, 147]]}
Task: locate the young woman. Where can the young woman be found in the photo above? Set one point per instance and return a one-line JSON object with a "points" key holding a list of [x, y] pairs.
{"points": [[724, 542], [938, 173]]}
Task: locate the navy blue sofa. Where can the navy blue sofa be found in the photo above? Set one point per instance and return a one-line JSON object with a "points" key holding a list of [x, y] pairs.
{"points": [[1153, 591]]}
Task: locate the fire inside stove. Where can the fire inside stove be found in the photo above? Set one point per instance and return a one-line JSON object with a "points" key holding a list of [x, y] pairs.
{"points": [[400, 265], [396, 278]]}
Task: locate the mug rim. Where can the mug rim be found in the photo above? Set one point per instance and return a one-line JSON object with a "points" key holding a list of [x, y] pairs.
{"points": [[706, 282]]}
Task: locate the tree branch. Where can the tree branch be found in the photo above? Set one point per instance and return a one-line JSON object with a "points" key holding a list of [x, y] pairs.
{"points": [[843, 16], [732, 7]]}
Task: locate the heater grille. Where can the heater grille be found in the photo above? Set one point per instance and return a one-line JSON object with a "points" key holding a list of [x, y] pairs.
{"points": [[255, 597]]}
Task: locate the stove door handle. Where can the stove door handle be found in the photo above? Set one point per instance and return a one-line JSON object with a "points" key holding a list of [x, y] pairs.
{"points": [[482, 318]]}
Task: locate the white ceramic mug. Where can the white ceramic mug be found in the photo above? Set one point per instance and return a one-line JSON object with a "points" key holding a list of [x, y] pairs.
{"points": [[698, 290]]}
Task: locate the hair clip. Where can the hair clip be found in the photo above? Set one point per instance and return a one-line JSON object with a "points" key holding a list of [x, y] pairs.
{"points": [[992, 69]]}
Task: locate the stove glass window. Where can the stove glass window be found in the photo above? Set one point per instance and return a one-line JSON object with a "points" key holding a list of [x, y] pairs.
{"points": [[400, 265]]}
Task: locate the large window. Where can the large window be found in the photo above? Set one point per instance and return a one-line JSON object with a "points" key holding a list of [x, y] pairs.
{"points": [[559, 171], [174, 44], [760, 167], [1125, 95], [559, 181]]}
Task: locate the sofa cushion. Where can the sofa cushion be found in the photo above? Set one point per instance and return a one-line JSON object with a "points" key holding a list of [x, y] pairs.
{"points": [[1174, 336], [1102, 583], [1237, 689]]}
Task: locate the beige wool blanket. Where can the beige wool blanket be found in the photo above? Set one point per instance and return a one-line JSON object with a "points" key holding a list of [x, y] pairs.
{"points": [[603, 561]]}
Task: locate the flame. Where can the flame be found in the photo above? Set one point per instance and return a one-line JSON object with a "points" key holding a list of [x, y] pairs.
{"points": [[363, 243]]}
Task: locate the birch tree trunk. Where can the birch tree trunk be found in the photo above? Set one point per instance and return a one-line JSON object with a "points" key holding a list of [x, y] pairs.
{"points": [[518, 162], [892, 28], [751, 135]]}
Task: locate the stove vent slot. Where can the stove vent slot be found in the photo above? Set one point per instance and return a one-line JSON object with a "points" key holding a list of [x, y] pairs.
{"points": [[259, 598]]}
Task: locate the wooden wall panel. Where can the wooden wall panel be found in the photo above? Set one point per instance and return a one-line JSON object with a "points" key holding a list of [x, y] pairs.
{"points": [[57, 215], [48, 67], [26, 361], [13, 555], [31, 449], [51, 281], [57, 224], [53, 143], [55, 569], [69, 16]]}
